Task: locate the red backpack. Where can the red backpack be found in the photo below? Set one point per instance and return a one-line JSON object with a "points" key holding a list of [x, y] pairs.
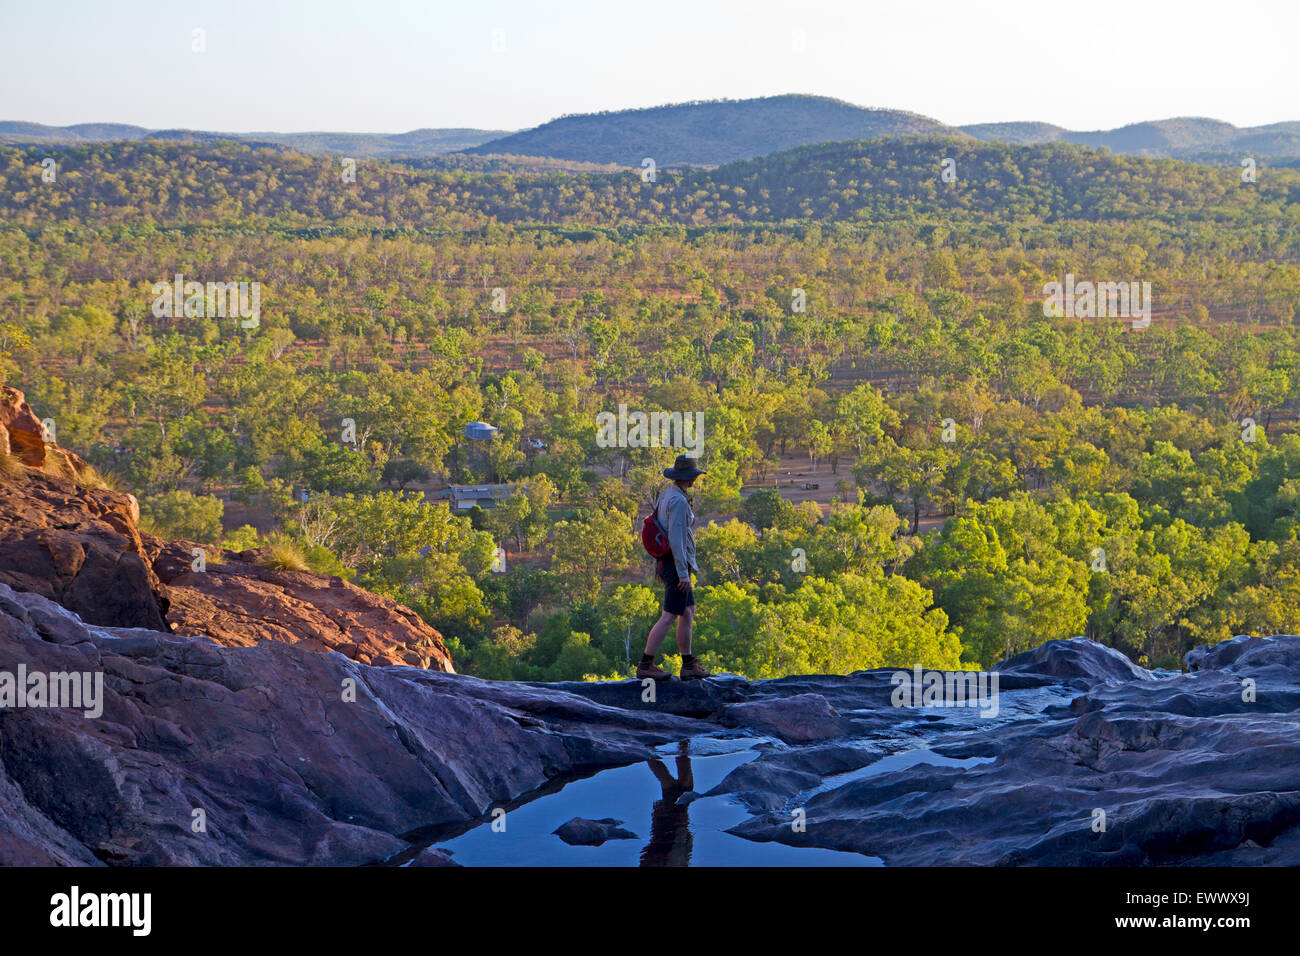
{"points": [[653, 538]]}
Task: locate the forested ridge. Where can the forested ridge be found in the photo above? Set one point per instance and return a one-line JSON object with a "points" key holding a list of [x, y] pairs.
{"points": [[892, 180], [1099, 479]]}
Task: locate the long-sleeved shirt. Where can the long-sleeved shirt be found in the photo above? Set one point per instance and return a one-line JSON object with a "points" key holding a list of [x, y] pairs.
{"points": [[678, 519]]}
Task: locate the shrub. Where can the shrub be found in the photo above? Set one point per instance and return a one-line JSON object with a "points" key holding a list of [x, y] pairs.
{"points": [[180, 514], [243, 538]]}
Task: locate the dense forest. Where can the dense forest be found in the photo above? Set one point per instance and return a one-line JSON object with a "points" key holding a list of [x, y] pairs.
{"points": [[1002, 476]]}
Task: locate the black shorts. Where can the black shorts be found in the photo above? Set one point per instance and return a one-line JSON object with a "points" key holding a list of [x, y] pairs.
{"points": [[675, 601]]}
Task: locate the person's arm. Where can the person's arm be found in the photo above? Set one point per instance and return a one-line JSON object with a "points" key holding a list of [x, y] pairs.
{"points": [[678, 529]]}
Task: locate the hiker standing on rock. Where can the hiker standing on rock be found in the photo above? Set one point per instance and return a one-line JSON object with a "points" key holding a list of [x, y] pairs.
{"points": [[677, 519]]}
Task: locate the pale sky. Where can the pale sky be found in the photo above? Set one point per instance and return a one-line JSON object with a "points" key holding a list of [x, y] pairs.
{"points": [[396, 65]]}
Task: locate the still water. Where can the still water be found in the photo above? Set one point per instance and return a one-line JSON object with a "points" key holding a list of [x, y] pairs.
{"points": [[644, 797]]}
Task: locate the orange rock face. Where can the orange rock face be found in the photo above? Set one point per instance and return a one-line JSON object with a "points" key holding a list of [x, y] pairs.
{"points": [[238, 603], [20, 429], [81, 547]]}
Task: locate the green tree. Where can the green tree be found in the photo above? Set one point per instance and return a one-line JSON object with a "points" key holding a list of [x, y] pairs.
{"points": [[180, 514]]}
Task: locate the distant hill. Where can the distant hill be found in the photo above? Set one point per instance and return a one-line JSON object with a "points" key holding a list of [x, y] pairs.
{"points": [[1018, 134], [19, 133], [713, 133], [1186, 137], [417, 143], [708, 133]]}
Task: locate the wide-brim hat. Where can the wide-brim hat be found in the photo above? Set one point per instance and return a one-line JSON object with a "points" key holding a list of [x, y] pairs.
{"points": [[683, 469]]}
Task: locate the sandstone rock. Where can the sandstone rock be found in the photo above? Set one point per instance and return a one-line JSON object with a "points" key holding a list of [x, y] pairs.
{"points": [[1078, 657], [29, 838], [799, 719], [1214, 656], [263, 741], [695, 698], [761, 787], [239, 604], [1188, 768], [769, 782], [580, 832], [21, 433], [433, 856], [1184, 770], [1283, 649], [78, 546]]}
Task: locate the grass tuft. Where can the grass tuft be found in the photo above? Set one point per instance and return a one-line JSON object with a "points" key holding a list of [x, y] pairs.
{"points": [[88, 477], [12, 468], [283, 555]]}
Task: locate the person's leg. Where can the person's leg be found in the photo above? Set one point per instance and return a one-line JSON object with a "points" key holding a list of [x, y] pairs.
{"points": [[684, 624], [658, 633]]}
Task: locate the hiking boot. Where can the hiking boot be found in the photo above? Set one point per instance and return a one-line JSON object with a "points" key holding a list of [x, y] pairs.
{"points": [[693, 671], [652, 671]]}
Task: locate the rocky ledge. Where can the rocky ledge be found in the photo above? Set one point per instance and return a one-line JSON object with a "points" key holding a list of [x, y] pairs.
{"points": [[66, 536], [204, 754], [276, 753]]}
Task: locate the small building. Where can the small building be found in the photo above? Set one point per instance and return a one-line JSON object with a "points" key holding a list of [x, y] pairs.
{"points": [[464, 497], [481, 431]]}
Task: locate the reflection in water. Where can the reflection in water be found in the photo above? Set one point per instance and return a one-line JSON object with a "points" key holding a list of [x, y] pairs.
{"points": [[670, 825], [625, 793]]}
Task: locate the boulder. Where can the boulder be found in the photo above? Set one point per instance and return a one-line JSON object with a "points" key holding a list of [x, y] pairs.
{"points": [[580, 832], [1075, 658], [21, 433], [803, 718], [433, 856], [79, 546]]}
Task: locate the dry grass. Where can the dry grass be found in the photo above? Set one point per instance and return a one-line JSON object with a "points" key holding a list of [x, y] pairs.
{"points": [[57, 463], [88, 477], [212, 554], [12, 469], [283, 555]]}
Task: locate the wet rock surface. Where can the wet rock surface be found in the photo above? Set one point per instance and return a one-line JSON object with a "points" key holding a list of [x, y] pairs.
{"points": [[771, 781], [432, 856], [799, 719], [1136, 769], [580, 832]]}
